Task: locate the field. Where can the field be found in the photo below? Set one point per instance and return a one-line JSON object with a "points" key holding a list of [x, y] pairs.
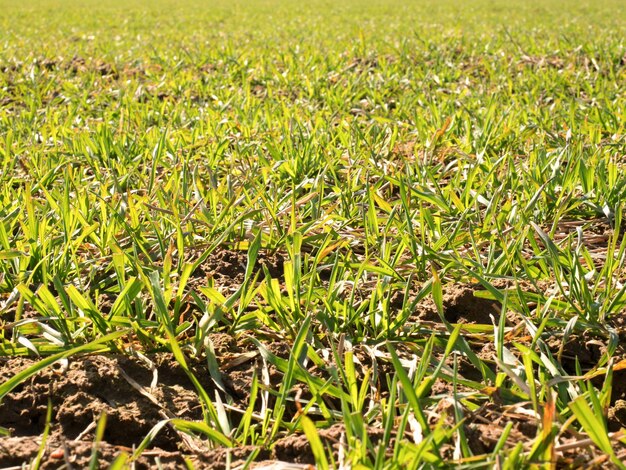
{"points": [[363, 234]]}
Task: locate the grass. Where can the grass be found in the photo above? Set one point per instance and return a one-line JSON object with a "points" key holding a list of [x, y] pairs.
{"points": [[386, 151]]}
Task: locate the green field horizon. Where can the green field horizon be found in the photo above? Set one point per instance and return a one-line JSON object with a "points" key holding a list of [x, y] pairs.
{"points": [[275, 234]]}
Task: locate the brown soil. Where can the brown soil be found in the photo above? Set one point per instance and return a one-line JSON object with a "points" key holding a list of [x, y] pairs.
{"points": [[87, 387], [83, 389], [136, 396], [485, 427], [587, 350], [296, 448], [15, 451], [460, 305], [227, 268]]}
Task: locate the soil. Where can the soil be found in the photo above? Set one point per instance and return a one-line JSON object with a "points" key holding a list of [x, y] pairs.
{"points": [[15, 451], [227, 268], [460, 305], [138, 392], [81, 390], [296, 448], [84, 388]]}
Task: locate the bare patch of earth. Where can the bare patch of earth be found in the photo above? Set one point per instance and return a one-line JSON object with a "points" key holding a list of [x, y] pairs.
{"points": [[137, 393]]}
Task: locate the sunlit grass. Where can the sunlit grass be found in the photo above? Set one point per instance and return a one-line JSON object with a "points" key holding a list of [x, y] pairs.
{"points": [[386, 151]]}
